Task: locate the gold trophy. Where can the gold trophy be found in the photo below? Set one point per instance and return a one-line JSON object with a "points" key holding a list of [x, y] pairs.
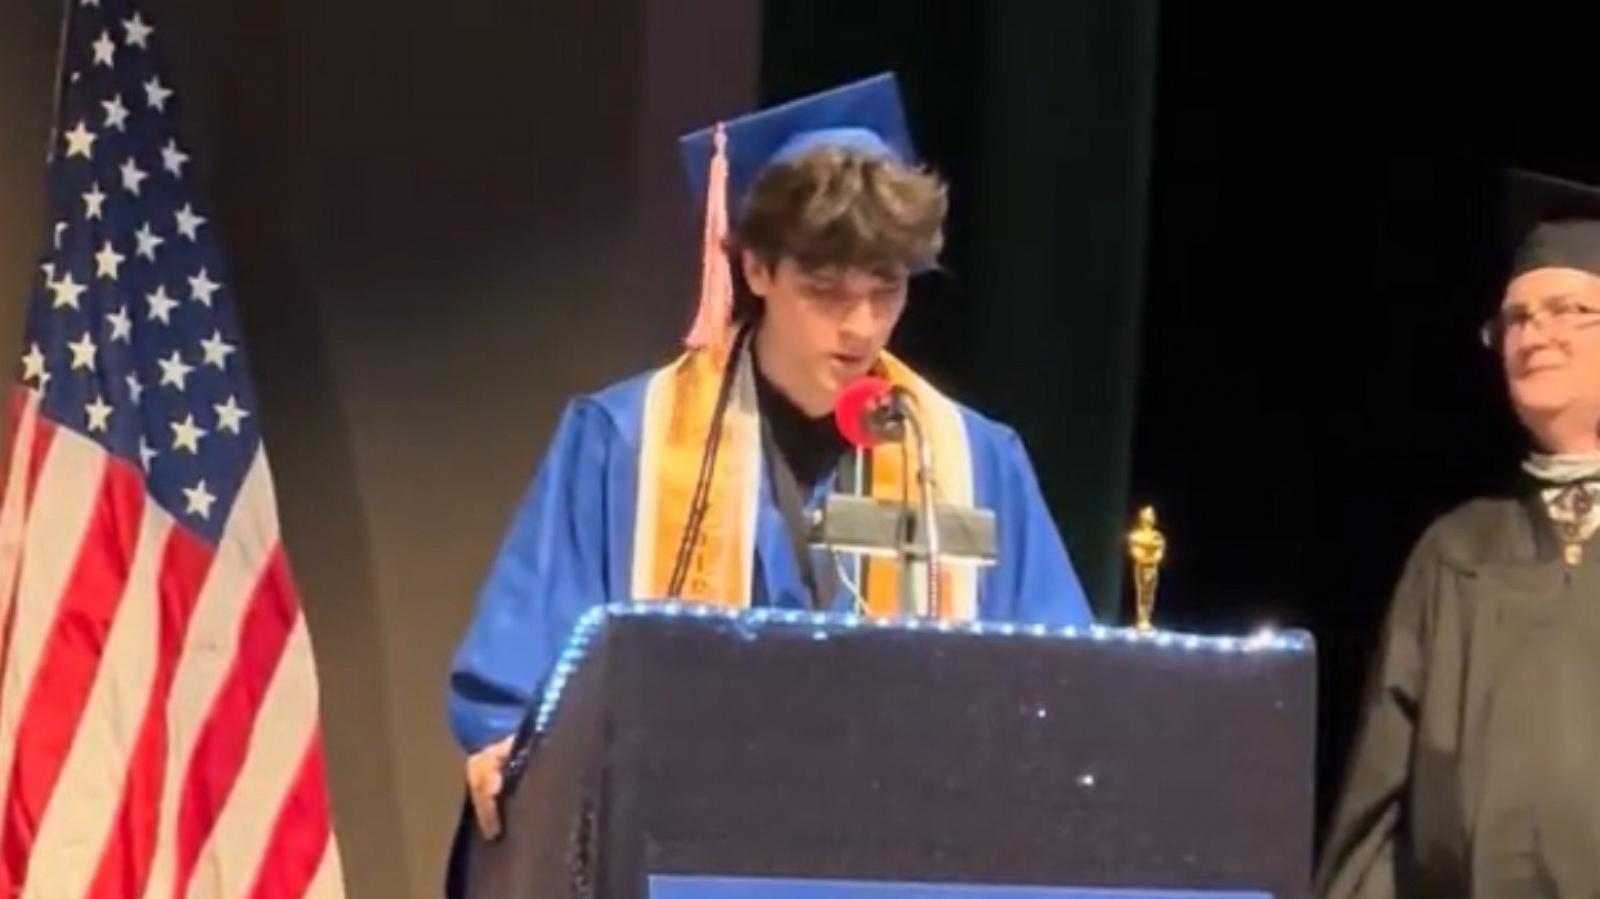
{"points": [[1146, 548]]}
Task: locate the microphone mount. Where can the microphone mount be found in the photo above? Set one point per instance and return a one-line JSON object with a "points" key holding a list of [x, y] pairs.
{"points": [[871, 412]]}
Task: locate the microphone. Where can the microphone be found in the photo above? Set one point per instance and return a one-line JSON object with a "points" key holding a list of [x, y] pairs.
{"points": [[870, 411]]}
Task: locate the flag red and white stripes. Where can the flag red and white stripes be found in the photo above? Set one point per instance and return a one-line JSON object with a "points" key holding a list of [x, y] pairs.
{"points": [[158, 700]]}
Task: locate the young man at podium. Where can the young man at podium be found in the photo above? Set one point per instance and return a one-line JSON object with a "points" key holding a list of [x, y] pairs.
{"points": [[1476, 772], [694, 482]]}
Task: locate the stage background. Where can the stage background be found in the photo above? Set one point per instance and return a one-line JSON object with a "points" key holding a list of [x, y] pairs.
{"points": [[1227, 263]]}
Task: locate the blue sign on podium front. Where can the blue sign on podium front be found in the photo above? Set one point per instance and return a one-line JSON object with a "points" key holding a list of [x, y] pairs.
{"points": [[688, 887]]}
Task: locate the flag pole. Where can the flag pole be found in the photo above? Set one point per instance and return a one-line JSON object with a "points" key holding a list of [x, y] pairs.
{"points": [[63, 34]]}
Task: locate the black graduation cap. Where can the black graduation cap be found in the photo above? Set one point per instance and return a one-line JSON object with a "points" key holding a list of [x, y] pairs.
{"points": [[865, 115], [1554, 223]]}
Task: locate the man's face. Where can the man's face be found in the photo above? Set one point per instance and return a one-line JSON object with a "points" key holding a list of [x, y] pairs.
{"points": [[1550, 345], [823, 327]]}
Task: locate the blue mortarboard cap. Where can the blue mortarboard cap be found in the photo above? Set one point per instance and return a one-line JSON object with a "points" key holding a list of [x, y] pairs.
{"points": [[865, 115]]}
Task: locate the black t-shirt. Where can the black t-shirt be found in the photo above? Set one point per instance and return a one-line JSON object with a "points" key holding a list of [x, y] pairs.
{"points": [[803, 451]]}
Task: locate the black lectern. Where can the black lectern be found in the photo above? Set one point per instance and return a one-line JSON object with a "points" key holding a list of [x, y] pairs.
{"points": [[687, 752]]}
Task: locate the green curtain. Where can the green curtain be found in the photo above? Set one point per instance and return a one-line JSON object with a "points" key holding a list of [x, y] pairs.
{"points": [[1040, 115]]}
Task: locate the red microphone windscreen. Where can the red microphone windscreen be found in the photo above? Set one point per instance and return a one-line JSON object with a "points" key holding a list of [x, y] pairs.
{"points": [[851, 408]]}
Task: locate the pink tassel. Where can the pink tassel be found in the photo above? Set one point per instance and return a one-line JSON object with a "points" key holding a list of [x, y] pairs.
{"points": [[714, 314]]}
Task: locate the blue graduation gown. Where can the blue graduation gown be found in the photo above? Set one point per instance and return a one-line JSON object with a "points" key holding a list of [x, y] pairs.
{"points": [[570, 543]]}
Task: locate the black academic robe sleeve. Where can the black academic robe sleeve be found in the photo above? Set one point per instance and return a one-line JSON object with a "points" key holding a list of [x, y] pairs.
{"points": [[1360, 856]]}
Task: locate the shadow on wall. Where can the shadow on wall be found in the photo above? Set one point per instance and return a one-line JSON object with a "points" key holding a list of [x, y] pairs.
{"points": [[443, 222], [27, 52]]}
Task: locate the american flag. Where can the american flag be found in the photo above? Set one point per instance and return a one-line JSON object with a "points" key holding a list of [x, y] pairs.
{"points": [[159, 731]]}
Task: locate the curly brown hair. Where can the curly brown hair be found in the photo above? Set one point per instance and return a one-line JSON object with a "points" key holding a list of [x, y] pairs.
{"points": [[838, 206]]}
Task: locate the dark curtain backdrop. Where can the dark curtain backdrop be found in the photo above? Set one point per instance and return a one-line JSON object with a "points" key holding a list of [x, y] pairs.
{"points": [[1258, 241], [1325, 238], [1039, 114]]}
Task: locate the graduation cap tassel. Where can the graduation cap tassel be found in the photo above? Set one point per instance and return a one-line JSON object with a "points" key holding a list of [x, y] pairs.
{"points": [[715, 311]]}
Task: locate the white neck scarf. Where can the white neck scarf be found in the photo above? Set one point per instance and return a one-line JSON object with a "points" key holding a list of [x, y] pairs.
{"points": [[1563, 468]]}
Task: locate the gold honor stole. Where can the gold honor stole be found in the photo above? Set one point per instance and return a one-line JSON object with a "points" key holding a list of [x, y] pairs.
{"points": [[680, 402]]}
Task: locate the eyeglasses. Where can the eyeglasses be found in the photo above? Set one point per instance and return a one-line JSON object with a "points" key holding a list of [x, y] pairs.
{"points": [[1560, 314]]}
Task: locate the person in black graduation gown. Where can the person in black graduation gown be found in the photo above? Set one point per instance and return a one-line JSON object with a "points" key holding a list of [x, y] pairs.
{"points": [[1476, 768]]}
